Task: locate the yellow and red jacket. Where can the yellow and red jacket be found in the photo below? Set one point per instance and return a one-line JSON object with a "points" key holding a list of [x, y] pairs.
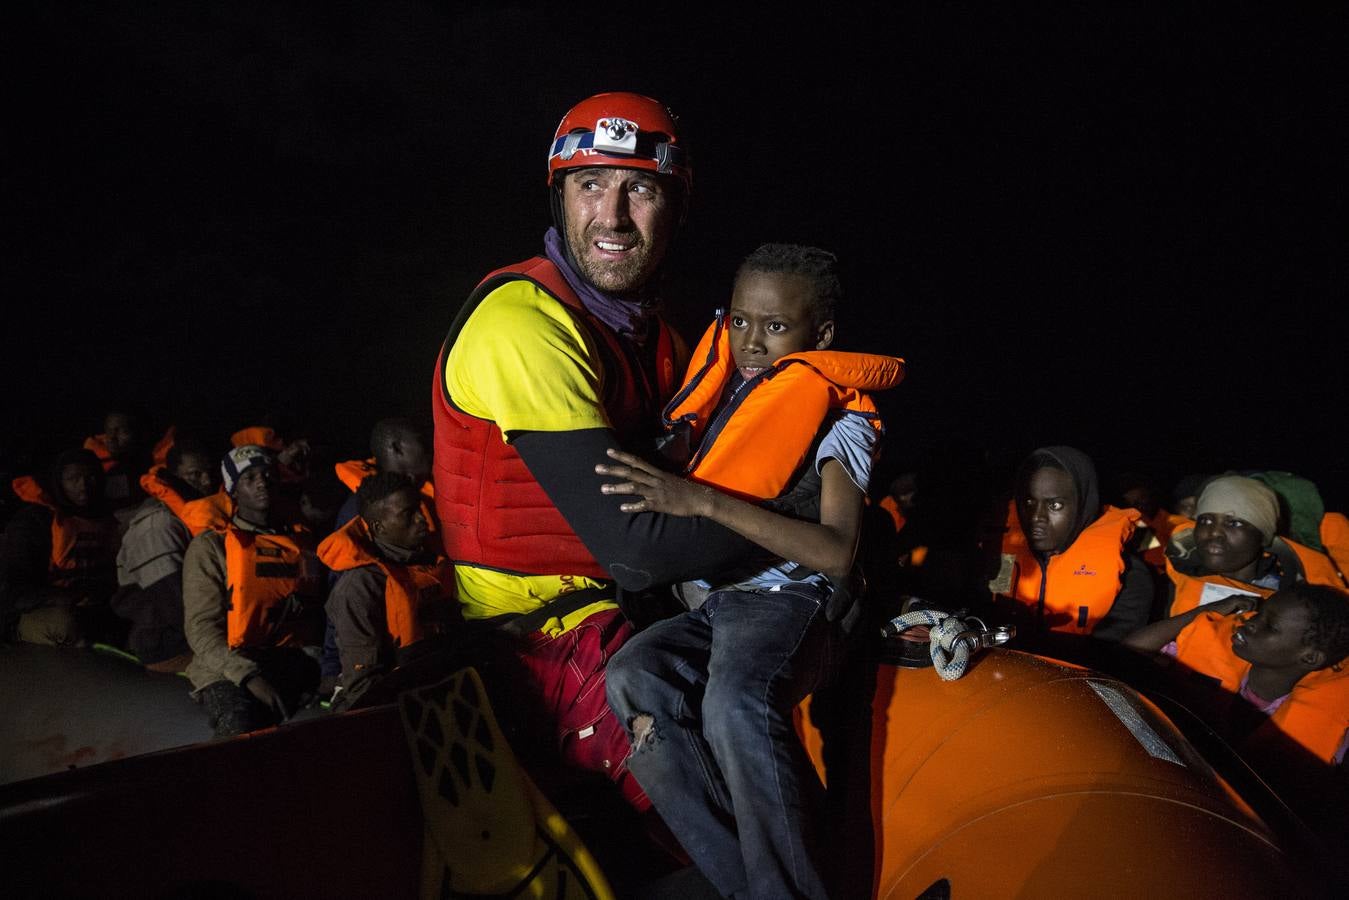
{"points": [[419, 599], [492, 511], [80, 546], [275, 588], [1306, 565], [778, 413], [212, 512], [1075, 589], [1316, 712], [353, 471]]}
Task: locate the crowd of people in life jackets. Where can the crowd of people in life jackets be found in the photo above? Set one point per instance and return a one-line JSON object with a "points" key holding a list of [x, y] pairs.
{"points": [[270, 585], [572, 476]]}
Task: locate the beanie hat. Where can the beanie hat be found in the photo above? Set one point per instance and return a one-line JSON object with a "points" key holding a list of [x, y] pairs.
{"points": [[240, 460], [1243, 498]]}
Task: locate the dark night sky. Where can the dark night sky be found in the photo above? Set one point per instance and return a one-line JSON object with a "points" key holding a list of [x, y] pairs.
{"points": [[1121, 230]]}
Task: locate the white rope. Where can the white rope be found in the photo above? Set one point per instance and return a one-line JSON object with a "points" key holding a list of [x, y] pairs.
{"points": [[950, 657]]}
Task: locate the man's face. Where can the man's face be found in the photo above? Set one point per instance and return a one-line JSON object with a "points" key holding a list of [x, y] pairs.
{"points": [[1275, 636], [1226, 544], [79, 482], [254, 488], [399, 520], [770, 317], [410, 458], [197, 471], [1048, 510], [619, 223], [118, 434]]}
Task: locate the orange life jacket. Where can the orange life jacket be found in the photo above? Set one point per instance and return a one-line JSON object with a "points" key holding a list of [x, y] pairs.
{"points": [[1161, 525], [418, 599], [1076, 588], [275, 588], [1316, 712], [213, 512], [81, 547], [97, 444], [162, 491], [1335, 538], [891, 506], [160, 454], [760, 438], [1295, 560], [352, 472], [492, 511], [260, 435]]}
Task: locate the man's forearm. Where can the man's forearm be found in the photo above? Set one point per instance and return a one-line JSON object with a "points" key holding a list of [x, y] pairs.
{"points": [[638, 550]]}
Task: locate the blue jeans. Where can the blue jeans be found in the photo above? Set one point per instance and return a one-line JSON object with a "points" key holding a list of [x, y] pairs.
{"points": [[708, 698]]}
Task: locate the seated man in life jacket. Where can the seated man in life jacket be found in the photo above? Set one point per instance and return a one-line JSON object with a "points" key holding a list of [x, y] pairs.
{"points": [[396, 445], [1069, 569], [708, 695], [119, 448], [393, 600], [1284, 657], [1234, 547], [252, 595], [57, 570], [150, 561], [1138, 491]]}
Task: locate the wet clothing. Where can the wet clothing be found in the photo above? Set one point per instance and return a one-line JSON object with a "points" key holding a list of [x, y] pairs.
{"points": [[1283, 562]]}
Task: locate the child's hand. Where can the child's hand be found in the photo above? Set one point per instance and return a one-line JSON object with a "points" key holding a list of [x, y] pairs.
{"points": [[660, 491], [1232, 603]]}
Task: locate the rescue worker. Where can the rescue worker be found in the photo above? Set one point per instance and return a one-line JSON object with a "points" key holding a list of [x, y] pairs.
{"points": [[393, 600], [550, 363], [1233, 547], [150, 561], [1283, 656], [59, 548], [252, 596], [1070, 570], [709, 695]]}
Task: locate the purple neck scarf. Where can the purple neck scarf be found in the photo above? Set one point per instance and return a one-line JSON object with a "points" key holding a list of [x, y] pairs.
{"points": [[629, 318]]}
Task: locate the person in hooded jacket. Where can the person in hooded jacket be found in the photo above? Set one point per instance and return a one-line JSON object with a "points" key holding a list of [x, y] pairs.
{"points": [[1070, 570], [57, 570], [150, 561]]}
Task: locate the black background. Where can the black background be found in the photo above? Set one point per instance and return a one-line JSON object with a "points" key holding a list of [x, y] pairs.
{"points": [[1121, 230]]}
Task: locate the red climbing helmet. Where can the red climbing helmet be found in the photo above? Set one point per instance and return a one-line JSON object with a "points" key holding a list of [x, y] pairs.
{"points": [[619, 129]]}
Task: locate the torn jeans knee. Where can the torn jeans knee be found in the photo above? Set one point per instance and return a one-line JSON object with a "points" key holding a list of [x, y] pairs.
{"points": [[642, 727]]}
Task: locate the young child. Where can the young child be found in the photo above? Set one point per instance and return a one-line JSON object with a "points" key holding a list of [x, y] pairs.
{"points": [[771, 415], [1286, 660]]}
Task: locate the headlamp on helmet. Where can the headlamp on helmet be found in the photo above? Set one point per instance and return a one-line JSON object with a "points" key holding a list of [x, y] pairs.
{"points": [[619, 129]]}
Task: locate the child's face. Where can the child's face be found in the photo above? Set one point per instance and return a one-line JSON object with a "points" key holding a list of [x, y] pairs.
{"points": [[1275, 636], [771, 317]]}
